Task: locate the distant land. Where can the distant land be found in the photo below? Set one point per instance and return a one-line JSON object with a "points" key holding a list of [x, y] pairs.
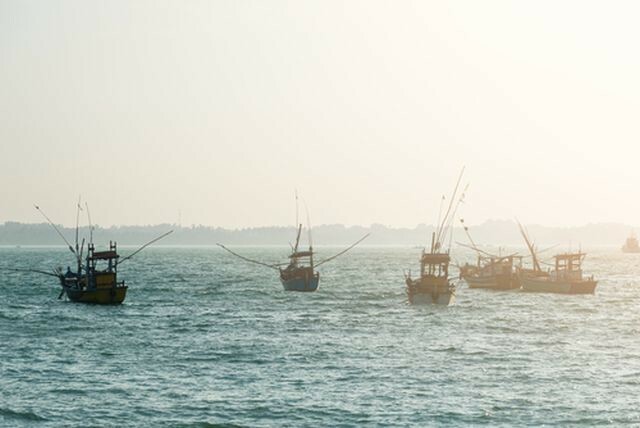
{"points": [[493, 232]]}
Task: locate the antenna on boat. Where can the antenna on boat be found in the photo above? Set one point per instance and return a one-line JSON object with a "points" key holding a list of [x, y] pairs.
{"points": [[90, 224], [440, 209], [56, 229], [78, 249], [306, 209], [145, 246], [343, 251], [449, 223], [297, 210], [248, 259], [78, 209]]}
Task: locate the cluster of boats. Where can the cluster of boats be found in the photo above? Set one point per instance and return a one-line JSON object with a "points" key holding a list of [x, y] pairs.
{"points": [[95, 278]]}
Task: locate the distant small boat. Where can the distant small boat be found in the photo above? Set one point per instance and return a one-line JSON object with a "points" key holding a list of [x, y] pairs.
{"points": [[565, 278], [631, 245], [299, 274]]}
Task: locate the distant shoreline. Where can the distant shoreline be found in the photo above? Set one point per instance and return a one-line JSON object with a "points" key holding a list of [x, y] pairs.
{"points": [[493, 232]]}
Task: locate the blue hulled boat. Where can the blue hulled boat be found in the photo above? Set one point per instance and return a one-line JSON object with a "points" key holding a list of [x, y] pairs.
{"points": [[299, 274]]}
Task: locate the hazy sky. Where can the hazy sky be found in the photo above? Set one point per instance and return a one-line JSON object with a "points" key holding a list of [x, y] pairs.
{"points": [[218, 110]]}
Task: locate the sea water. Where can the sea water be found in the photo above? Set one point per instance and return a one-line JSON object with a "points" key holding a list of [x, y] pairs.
{"points": [[205, 339]]}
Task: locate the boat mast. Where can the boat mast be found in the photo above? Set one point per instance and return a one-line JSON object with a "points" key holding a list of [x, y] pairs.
{"points": [[536, 263], [295, 249]]}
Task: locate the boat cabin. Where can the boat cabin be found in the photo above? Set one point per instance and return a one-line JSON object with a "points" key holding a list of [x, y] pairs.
{"points": [[496, 265], [568, 266], [434, 265]]}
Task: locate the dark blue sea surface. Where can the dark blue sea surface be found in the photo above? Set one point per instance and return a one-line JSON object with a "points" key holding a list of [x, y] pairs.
{"points": [[205, 339]]}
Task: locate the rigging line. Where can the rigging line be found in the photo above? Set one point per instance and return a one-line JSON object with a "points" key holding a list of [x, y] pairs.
{"points": [[31, 270], [453, 197], [455, 210], [275, 267], [343, 251]]}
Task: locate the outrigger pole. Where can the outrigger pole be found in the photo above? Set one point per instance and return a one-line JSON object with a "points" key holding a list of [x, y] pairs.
{"points": [[275, 267], [441, 226], [33, 270], [144, 246], [57, 230], [343, 251], [466, 231]]}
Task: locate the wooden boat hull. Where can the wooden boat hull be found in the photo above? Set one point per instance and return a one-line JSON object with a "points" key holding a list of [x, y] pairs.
{"points": [[547, 285], [495, 282], [99, 296], [422, 293], [301, 284]]}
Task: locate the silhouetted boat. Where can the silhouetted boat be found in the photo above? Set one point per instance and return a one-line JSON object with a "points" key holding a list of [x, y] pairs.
{"points": [[434, 286], [95, 280], [299, 273], [491, 271], [98, 282], [631, 245], [565, 278]]}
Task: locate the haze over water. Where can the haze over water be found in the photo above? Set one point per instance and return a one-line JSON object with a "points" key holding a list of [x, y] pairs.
{"points": [[205, 339], [201, 112], [215, 113]]}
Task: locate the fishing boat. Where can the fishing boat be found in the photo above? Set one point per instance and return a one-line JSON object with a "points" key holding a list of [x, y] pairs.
{"points": [[98, 281], [631, 245], [492, 271], [566, 277], [434, 286], [299, 274], [95, 278]]}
